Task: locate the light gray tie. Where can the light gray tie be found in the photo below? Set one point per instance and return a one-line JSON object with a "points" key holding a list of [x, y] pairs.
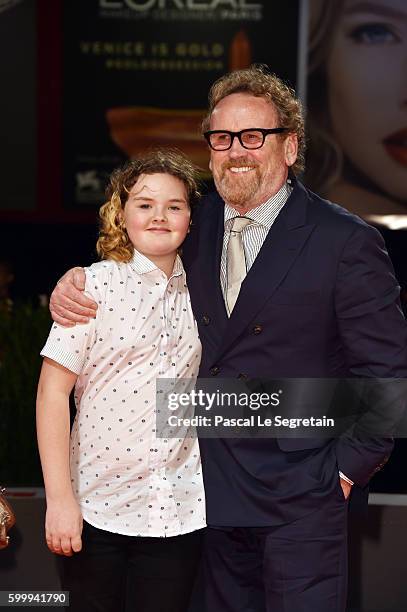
{"points": [[235, 261]]}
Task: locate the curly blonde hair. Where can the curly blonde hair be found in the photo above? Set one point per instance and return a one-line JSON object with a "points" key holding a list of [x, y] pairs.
{"points": [[258, 81], [114, 242]]}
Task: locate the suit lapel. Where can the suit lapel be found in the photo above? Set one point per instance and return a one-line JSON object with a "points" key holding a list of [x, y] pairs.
{"points": [[280, 249], [212, 227]]}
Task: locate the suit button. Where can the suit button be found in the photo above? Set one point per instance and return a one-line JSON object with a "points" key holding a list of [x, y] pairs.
{"points": [[205, 320], [214, 370], [257, 329], [243, 376]]}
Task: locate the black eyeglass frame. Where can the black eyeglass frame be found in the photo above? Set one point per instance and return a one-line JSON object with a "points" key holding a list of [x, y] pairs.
{"points": [[265, 132]]}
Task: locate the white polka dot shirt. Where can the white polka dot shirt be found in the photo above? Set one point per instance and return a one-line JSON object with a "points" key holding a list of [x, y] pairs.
{"points": [[126, 479]]}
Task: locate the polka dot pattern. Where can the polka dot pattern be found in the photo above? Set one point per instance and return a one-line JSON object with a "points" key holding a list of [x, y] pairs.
{"points": [[125, 478]]}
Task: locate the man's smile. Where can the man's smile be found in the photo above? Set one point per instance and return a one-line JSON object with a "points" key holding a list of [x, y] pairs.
{"points": [[237, 169]]}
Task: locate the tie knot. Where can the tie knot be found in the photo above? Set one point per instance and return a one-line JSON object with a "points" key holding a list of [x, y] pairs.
{"points": [[239, 223]]}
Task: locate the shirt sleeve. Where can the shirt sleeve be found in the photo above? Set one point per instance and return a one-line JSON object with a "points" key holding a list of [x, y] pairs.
{"points": [[342, 475], [69, 346]]}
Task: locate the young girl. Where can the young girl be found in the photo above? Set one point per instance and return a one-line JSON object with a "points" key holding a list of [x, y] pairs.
{"points": [[124, 507]]}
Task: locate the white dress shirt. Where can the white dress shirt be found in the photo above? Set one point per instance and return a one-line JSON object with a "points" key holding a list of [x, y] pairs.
{"points": [[253, 235], [126, 479]]}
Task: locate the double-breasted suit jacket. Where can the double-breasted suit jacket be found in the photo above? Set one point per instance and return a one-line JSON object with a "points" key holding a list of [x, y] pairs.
{"points": [[320, 301]]}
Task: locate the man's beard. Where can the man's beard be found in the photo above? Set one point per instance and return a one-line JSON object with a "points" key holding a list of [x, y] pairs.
{"points": [[238, 189]]}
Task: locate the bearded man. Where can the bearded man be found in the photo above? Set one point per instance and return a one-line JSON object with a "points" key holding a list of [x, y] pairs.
{"points": [[283, 284]]}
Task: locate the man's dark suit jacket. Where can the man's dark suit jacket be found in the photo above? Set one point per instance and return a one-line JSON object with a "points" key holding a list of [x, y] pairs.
{"points": [[320, 301]]}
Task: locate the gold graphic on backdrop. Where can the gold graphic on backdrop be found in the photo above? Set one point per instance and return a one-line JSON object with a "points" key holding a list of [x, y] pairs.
{"points": [[240, 51], [136, 129]]}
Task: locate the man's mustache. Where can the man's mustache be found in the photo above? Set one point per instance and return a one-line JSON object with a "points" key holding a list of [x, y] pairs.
{"points": [[241, 162]]}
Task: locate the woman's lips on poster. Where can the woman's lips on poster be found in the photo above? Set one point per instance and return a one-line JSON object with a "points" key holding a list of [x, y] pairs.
{"points": [[396, 146]]}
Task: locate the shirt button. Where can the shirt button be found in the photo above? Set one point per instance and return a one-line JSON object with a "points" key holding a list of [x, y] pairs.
{"points": [[205, 320], [214, 370], [257, 329]]}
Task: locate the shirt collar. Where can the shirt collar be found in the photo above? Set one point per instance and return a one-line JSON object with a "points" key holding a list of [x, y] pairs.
{"points": [[141, 264], [178, 267], [266, 213]]}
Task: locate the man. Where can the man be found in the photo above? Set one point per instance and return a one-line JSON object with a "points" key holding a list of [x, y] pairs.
{"points": [[317, 299]]}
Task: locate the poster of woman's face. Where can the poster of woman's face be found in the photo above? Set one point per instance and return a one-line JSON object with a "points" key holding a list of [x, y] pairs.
{"points": [[357, 105]]}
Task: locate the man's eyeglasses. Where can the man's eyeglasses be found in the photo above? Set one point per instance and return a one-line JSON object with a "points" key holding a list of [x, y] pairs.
{"points": [[251, 138]]}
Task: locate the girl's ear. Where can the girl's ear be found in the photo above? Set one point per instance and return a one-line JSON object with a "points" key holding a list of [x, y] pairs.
{"points": [[120, 220]]}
